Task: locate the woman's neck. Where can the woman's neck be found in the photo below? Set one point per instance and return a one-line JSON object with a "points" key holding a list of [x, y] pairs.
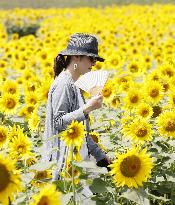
{"points": [[74, 74]]}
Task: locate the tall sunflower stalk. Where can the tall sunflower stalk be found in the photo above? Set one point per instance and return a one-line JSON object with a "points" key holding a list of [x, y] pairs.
{"points": [[73, 137], [73, 182]]}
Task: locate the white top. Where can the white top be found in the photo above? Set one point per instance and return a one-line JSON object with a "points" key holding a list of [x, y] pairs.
{"points": [[84, 149]]}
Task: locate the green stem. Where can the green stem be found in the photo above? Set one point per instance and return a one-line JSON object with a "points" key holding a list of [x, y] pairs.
{"points": [[73, 183]]}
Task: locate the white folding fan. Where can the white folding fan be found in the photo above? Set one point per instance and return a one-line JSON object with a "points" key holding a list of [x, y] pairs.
{"points": [[93, 81]]}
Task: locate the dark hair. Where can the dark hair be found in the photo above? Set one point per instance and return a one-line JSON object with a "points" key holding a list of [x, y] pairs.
{"points": [[60, 62]]}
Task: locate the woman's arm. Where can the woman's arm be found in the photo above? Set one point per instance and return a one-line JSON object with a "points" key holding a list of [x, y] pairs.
{"points": [[94, 149], [62, 98]]}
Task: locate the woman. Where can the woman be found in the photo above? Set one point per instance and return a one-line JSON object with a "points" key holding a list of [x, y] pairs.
{"points": [[66, 102]]}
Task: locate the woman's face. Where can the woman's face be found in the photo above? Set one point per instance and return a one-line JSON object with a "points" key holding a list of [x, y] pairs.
{"points": [[85, 64]]}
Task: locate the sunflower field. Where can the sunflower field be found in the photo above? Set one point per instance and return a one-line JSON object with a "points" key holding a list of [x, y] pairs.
{"points": [[135, 126]]}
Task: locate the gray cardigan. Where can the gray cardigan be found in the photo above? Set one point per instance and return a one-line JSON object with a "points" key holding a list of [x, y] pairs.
{"points": [[63, 107]]}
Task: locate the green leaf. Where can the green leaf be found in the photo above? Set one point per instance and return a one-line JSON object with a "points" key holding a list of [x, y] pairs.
{"points": [[138, 196], [20, 201], [86, 164], [65, 198], [91, 166], [27, 178], [40, 166], [98, 186]]}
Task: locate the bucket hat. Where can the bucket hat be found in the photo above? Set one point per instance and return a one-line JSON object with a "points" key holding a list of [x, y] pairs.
{"points": [[82, 44]]}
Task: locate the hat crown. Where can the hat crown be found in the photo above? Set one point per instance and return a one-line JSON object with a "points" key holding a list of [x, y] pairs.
{"points": [[86, 42], [82, 44]]}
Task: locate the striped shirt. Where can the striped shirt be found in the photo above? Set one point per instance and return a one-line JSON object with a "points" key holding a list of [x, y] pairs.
{"points": [[63, 106]]}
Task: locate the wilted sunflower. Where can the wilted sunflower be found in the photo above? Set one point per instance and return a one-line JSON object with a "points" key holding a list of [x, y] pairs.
{"points": [[3, 135], [74, 134], [144, 110], [132, 168], [166, 124], [139, 130], [9, 103], [9, 180], [20, 147], [47, 195]]}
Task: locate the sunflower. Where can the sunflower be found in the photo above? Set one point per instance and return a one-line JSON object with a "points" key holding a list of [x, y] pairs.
{"points": [[91, 119], [167, 70], [40, 176], [20, 147], [144, 110], [133, 98], [154, 92], [114, 101], [31, 98], [9, 103], [47, 195], [3, 135], [34, 121], [166, 124], [107, 90], [74, 134], [27, 110], [9, 178], [157, 110], [44, 90], [171, 99], [95, 136], [134, 68], [132, 168], [139, 130], [14, 132], [10, 86]]}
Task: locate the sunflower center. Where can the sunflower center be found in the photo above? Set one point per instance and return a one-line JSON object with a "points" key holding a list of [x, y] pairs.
{"points": [[32, 101], [12, 90], [156, 111], [170, 126], [141, 132], [2, 136], [30, 109], [174, 99], [165, 87], [41, 174], [4, 177], [134, 68], [130, 166], [115, 62], [169, 73], [21, 149], [95, 138], [106, 92], [72, 133], [43, 201], [144, 112], [134, 99], [10, 103], [154, 93]]}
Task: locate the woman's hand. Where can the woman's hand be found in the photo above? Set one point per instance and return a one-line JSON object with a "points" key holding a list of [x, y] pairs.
{"points": [[93, 104]]}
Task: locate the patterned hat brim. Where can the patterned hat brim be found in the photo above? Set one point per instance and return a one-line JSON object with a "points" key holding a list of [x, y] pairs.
{"points": [[68, 52]]}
